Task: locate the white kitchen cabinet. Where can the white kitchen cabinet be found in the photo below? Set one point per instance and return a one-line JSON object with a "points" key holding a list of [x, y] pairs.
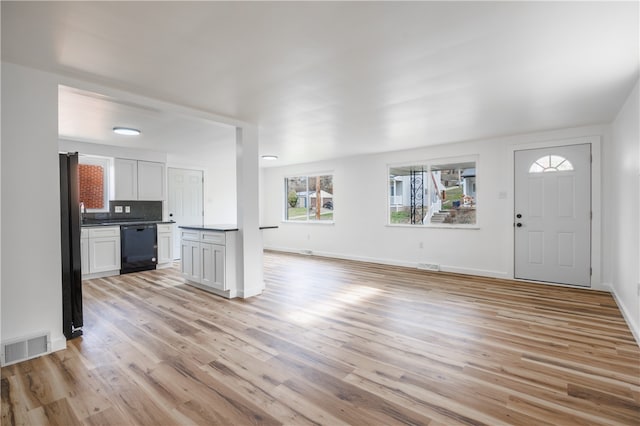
{"points": [[126, 179], [103, 251], [190, 260], [208, 260], [213, 259], [84, 251], [139, 180], [165, 245], [150, 181]]}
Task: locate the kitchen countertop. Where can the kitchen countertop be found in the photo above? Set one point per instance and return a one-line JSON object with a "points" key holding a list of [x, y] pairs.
{"points": [[132, 222], [219, 227]]}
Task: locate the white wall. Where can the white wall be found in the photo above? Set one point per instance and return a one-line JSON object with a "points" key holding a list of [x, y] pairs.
{"points": [[219, 181], [360, 200], [31, 271], [624, 166]]}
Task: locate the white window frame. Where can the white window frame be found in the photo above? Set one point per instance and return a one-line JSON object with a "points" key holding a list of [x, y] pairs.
{"points": [[309, 220]]}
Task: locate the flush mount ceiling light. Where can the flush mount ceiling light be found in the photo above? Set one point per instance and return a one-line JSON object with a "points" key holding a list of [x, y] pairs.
{"points": [[269, 157], [127, 131]]}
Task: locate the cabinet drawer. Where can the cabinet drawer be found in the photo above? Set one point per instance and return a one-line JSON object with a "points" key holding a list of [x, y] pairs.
{"points": [[164, 228], [190, 235], [212, 237], [109, 231]]}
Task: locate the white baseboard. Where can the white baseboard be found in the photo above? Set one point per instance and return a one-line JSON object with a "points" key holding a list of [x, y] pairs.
{"points": [[58, 344], [393, 262], [625, 314]]}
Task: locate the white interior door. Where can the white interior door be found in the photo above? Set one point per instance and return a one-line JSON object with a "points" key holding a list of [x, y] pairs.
{"points": [[185, 201], [553, 214]]}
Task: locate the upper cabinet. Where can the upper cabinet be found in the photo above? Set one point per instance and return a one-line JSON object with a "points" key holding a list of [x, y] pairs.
{"points": [[139, 180], [126, 179], [150, 181]]}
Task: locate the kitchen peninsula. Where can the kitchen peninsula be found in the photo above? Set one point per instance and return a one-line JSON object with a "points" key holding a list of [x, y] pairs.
{"points": [[211, 258]]}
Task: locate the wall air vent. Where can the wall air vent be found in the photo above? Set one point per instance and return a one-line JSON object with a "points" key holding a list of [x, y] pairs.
{"points": [[429, 267], [24, 348]]}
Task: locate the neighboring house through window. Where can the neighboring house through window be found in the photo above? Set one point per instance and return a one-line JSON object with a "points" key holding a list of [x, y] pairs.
{"points": [[309, 198], [433, 193]]}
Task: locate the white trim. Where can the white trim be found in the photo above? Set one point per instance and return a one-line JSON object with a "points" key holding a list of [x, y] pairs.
{"points": [[443, 268], [58, 344], [625, 314]]}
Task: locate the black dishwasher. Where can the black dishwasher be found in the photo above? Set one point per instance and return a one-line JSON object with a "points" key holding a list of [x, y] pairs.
{"points": [[138, 248]]}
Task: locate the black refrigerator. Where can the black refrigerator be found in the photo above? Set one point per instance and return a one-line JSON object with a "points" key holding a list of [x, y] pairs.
{"points": [[70, 223]]}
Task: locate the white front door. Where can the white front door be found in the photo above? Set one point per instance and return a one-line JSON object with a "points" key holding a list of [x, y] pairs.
{"points": [[553, 215], [185, 201]]}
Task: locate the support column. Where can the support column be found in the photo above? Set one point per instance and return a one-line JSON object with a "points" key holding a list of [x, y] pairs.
{"points": [[249, 260]]}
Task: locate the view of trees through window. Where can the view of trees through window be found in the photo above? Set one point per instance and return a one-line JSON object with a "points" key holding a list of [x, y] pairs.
{"points": [[309, 198], [423, 194]]}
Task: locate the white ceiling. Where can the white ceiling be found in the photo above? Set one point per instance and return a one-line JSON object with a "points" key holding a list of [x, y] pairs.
{"points": [[330, 79]]}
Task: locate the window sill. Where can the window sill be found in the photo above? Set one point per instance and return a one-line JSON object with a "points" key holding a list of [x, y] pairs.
{"points": [[309, 222], [432, 226]]}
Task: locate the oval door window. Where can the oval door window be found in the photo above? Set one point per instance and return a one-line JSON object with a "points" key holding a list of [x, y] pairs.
{"points": [[551, 163]]}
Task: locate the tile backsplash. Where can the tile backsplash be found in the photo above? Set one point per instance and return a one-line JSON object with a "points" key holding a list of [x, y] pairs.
{"points": [[139, 210]]}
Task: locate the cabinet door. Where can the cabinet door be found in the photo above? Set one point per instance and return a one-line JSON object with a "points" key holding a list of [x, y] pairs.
{"points": [[84, 256], [126, 179], [150, 181], [104, 254], [190, 260], [165, 247], [213, 265]]}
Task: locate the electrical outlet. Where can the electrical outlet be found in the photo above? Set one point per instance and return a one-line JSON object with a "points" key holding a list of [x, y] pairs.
{"points": [[118, 209], [127, 209]]}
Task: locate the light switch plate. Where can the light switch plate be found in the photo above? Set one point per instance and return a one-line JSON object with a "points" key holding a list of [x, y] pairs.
{"points": [[118, 209]]}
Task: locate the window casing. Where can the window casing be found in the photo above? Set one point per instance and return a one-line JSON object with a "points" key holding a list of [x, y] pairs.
{"points": [[433, 193], [95, 182], [309, 198]]}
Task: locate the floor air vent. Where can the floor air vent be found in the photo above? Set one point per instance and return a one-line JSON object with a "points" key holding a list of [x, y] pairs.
{"points": [[25, 348]]}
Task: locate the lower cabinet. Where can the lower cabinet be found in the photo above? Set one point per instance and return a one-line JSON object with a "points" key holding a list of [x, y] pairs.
{"points": [[165, 245], [190, 263], [100, 251], [212, 256], [207, 261]]}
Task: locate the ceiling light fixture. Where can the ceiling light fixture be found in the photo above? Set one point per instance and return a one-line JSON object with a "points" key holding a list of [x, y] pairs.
{"points": [[270, 157], [127, 131]]}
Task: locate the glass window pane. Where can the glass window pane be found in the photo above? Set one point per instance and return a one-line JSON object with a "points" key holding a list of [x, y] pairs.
{"points": [[565, 166], [296, 198], [433, 194], [309, 198], [536, 168], [555, 161]]}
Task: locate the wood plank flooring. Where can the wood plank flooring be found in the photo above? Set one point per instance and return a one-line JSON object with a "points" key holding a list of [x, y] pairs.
{"points": [[335, 342]]}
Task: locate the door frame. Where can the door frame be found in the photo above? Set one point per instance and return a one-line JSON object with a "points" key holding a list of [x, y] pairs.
{"points": [[596, 202]]}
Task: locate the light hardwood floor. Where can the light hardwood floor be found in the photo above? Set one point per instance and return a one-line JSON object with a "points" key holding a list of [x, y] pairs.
{"points": [[335, 342]]}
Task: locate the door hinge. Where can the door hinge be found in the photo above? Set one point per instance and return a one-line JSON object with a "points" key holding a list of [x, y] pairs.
{"points": [[591, 271]]}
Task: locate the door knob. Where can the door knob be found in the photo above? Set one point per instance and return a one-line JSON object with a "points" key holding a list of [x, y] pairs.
{"points": [[170, 214], [519, 225], [518, 215]]}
